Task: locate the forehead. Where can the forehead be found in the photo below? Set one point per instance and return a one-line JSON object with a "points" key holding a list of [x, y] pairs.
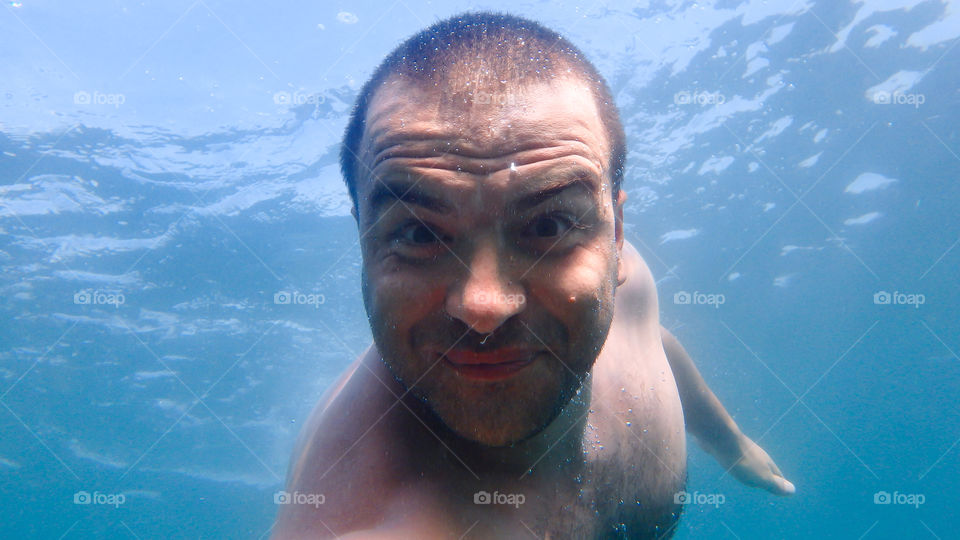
{"points": [[482, 122]]}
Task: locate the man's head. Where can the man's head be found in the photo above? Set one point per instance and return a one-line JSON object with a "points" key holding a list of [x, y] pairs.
{"points": [[484, 159], [480, 57]]}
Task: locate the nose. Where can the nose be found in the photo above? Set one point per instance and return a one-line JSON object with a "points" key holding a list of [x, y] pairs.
{"points": [[485, 298]]}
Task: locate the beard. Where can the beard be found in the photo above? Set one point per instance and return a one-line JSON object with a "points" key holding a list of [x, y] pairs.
{"points": [[493, 413], [501, 413]]}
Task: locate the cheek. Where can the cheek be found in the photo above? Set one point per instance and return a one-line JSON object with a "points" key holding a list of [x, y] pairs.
{"points": [[398, 298], [578, 288]]}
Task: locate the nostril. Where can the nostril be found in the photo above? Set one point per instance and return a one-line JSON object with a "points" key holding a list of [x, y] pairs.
{"points": [[484, 309]]}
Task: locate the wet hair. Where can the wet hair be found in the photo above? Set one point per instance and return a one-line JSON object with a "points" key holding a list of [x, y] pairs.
{"points": [[474, 52]]}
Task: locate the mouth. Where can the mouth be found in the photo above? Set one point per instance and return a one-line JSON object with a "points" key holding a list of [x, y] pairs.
{"points": [[493, 365]]}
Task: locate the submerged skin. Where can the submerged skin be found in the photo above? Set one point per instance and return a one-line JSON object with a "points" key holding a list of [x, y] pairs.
{"points": [[716, 431], [485, 205], [397, 479]]}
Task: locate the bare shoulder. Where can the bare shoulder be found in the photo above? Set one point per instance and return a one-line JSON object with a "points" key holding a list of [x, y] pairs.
{"points": [[310, 427], [636, 297], [351, 385], [339, 459]]}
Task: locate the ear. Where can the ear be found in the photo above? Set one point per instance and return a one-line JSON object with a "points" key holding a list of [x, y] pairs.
{"points": [[353, 212], [618, 235]]}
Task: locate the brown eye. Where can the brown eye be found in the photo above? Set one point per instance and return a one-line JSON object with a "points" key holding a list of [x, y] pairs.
{"points": [[549, 226], [418, 234]]}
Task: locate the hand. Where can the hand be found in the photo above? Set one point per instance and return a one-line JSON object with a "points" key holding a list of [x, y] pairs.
{"points": [[756, 468]]}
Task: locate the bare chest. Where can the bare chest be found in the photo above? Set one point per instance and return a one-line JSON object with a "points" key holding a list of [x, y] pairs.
{"points": [[630, 463]]}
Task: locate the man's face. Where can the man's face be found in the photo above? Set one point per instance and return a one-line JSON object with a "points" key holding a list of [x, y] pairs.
{"points": [[490, 249]]}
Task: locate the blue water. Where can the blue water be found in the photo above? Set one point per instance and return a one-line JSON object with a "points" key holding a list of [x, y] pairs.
{"points": [[167, 168]]}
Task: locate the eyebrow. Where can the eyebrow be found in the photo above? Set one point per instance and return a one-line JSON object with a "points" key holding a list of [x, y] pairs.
{"points": [[529, 201], [387, 191], [406, 192]]}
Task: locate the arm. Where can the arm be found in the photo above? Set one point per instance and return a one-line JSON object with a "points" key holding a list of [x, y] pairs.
{"points": [[715, 430]]}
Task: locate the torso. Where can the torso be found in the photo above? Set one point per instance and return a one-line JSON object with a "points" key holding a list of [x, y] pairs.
{"points": [[389, 475]]}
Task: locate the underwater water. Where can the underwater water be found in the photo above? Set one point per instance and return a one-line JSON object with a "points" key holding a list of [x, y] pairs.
{"points": [[181, 275]]}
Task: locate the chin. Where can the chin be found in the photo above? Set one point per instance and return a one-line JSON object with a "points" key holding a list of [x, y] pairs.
{"points": [[498, 435], [501, 424], [500, 418], [494, 436]]}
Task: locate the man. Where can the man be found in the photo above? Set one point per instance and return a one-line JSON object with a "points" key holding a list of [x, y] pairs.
{"points": [[520, 382]]}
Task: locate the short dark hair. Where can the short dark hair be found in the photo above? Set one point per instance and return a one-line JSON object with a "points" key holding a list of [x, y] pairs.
{"points": [[484, 48]]}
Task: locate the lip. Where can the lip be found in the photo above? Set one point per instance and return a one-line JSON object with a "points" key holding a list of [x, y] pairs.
{"points": [[494, 365]]}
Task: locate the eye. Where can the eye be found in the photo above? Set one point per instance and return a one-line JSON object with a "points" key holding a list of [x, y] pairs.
{"points": [[417, 234], [549, 226]]}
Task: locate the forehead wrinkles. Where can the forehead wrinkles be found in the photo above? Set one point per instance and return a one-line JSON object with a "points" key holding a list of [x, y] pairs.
{"points": [[420, 111], [407, 120], [422, 158]]}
